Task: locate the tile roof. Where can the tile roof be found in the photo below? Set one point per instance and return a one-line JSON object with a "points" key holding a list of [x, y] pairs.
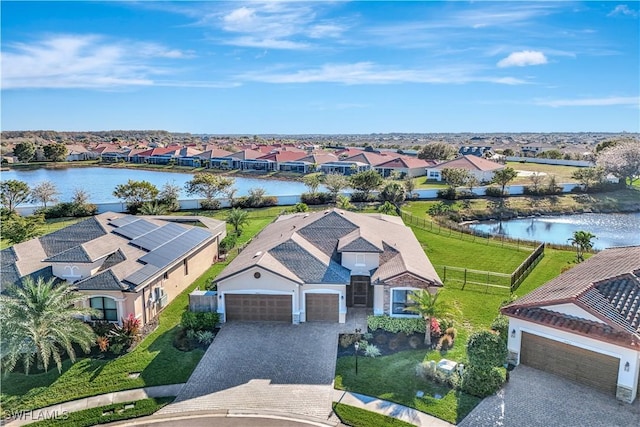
{"points": [[406, 163], [470, 162], [8, 269], [304, 247], [104, 281], [71, 236], [75, 254], [605, 285]]}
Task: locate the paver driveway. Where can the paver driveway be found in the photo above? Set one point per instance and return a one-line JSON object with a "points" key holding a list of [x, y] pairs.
{"points": [[265, 366], [534, 398]]}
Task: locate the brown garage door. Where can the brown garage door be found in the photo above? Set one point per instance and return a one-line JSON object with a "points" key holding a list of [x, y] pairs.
{"points": [[321, 307], [577, 364], [275, 308]]}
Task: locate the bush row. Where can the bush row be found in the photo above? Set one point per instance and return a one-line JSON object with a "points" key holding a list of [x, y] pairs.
{"points": [[396, 324], [200, 321]]}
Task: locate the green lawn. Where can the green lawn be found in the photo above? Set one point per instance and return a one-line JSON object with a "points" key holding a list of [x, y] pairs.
{"points": [[561, 172], [115, 412], [157, 360], [357, 417]]}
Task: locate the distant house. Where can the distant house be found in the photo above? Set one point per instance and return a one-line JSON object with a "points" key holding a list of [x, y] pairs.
{"points": [[482, 169], [316, 266], [215, 158], [123, 264], [584, 325], [308, 163], [405, 166], [250, 160], [478, 151], [77, 153]]}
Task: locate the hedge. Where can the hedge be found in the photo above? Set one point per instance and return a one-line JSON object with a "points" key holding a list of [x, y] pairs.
{"points": [[396, 324]]}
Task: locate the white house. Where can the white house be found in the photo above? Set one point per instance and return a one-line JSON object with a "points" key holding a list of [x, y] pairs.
{"points": [[315, 266], [482, 169], [584, 325]]}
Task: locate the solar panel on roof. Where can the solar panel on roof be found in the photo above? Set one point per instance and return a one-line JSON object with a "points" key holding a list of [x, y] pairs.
{"points": [[159, 236], [135, 229], [119, 222], [176, 248], [142, 275]]}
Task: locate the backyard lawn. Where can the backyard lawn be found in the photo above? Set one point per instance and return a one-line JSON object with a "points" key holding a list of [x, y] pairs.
{"points": [[561, 172], [155, 358]]}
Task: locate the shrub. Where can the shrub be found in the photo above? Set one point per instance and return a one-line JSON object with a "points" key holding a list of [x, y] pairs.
{"points": [[501, 325], [363, 345], [199, 321], [228, 242], [131, 326], [381, 339], [445, 342], [117, 348], [435, 328], [482, 382], [396, 324], [448, 194], [301, 207], [209, 205], [428, 372], [367, 336], [451, 332], [68, 209], [445, 324], [372, 351], [103, 343], [346, 340], [316, 198], [415, 341], [359, 196], [486, 350], [102, 327], [204, 337], [493, 192]]}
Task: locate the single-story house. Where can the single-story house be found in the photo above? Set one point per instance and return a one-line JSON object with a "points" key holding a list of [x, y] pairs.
{"points": [[584, 325], [476, 150], [482, 169], [77, 152], [308, 163], [405, 166], [123, 264], [315, 266]]}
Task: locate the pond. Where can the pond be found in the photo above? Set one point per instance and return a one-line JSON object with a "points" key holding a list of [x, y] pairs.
{"points": [[611, 229], [100, 182]]}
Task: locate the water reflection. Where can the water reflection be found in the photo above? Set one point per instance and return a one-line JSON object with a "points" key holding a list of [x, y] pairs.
{"points": [[610, 229]]}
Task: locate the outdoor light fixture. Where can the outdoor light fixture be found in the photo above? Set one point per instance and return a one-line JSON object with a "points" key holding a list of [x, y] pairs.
{"points": [[220, 296], [356, 346], [513, 333], [626, 366]]}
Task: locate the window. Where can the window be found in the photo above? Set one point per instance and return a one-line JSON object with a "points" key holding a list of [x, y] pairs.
{"points": [[400, 301], [165, 276], [360, 259], [186, 267], [106, 307]]}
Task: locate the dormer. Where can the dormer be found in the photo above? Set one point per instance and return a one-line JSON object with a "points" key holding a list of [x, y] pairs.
{"points": [[360, 252]]}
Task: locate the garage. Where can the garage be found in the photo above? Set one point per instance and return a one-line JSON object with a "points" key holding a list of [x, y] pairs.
{"points": [[322, 307], [587, 367], [274, 308]]}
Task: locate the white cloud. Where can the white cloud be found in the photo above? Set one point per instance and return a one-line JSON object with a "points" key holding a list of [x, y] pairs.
{"points": [[592, 102], [83, 61], [247, 41], [522, 59], [371, 73], [623, 9]]}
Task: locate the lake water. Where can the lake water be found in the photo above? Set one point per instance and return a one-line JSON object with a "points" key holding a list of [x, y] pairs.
{"points": [[621, 229], [100, 182]]}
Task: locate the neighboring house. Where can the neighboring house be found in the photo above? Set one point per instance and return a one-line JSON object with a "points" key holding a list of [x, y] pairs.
{"points": [[308, 163], [215, 158], [77, 152], [476, 150], [405, 166], [123, 264], [249, 160], [482, 169], [315, 266], [283, 158], [584, 324]]}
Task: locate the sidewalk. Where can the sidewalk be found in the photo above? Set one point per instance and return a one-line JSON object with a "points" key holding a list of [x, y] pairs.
{"points": [[389, 409], [368, 403], [96, 401]]}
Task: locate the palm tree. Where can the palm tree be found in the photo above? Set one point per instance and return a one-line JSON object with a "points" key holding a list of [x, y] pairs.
{"points": [[387, 208], [582, 240], [237, 217], [40, 321], [153, 208], [426, 305]]}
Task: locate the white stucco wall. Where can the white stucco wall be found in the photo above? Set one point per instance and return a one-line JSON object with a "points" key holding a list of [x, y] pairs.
{"points": [[350, 260], [628, 379], [572, 310], [378, 300], [75, 271]]}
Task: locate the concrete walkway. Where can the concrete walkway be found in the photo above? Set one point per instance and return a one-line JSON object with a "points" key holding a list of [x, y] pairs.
{"points": [[390, 409], [372, 404], [96, 401]]}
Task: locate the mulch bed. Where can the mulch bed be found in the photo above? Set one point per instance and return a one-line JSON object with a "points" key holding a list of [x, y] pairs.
{"points": [[387, 343]]}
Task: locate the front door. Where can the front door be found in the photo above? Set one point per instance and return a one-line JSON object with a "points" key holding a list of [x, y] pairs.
{"points": [[360, 288]]}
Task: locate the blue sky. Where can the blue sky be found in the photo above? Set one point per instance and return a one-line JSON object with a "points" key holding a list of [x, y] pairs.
{"points": [[321, 67]]}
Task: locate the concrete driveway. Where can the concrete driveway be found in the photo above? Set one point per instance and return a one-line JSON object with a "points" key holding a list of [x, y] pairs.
{"points": [[265, 367], [534, 398]]}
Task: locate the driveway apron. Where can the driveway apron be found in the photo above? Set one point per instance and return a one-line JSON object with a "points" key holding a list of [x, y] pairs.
{"points": [[264, 366]]}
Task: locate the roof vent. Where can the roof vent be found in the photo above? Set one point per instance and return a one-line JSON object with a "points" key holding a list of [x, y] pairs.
{"points": [[257, 254], [305, 216]]}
